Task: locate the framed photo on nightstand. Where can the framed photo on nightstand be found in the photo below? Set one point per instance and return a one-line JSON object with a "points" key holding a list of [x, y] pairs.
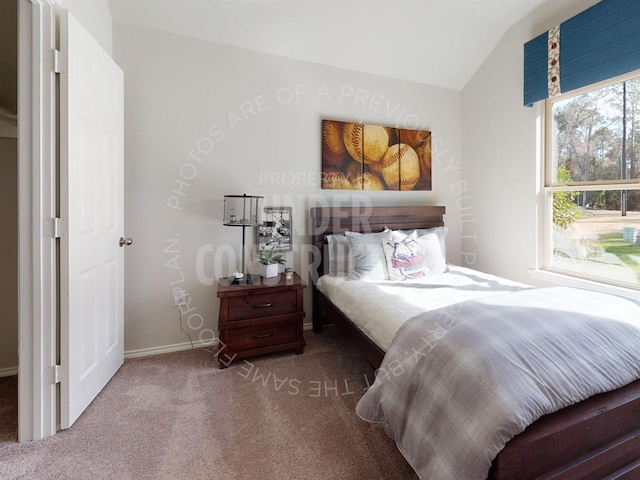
{"points": [[275, 231]]}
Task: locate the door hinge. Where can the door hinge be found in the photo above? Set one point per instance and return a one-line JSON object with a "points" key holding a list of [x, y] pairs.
{"points": [[58, 374], [58, 61], [54, 227]]}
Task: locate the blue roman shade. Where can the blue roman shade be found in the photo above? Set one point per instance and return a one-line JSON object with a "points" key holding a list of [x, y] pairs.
{"points": [[536, 76], [600, 43]]}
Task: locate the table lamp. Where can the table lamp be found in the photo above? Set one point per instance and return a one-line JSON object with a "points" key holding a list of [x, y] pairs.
{"points": [[241, 211]]}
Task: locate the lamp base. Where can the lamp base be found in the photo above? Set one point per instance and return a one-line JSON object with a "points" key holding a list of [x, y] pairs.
{"points": [[246, 280]]}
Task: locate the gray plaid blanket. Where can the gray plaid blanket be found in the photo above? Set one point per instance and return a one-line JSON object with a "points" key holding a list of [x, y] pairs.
{"points": [[457, 383]]}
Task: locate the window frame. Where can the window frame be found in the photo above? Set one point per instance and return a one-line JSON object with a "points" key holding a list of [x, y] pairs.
{"points": [[548, 187]]}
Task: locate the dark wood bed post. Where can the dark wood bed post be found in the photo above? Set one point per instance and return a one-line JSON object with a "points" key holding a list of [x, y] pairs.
{"points": [[596, 439], [317, 313]]}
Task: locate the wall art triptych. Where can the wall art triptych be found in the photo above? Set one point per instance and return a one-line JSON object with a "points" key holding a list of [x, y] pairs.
{"points": [[356, 156]]}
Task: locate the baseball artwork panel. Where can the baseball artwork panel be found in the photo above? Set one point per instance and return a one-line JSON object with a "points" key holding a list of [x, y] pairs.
{"points": [[356, 156]]}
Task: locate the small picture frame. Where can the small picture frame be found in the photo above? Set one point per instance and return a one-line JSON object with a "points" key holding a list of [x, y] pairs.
{"points": [[275, 231]]}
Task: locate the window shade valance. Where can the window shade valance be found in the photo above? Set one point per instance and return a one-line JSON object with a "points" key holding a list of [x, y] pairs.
{"points": [[595, 45]]}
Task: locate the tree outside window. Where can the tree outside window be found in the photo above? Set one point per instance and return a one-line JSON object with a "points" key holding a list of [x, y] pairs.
{"points": [[594, 183]]}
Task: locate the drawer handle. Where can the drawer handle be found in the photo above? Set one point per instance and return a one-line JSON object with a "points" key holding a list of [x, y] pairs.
{"points": [[263, 335], [262, 305]]}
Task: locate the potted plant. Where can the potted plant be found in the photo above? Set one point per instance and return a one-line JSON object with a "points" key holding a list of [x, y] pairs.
{"points": [[270, 258]]}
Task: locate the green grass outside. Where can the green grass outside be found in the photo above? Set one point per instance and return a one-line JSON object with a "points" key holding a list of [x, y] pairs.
{"points": [[613, 243]]}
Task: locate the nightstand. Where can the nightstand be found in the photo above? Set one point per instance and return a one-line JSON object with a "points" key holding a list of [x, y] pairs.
{"points": [[264, 317]]}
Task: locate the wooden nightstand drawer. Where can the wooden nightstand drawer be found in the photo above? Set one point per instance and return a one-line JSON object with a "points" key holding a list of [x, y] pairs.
{"points": [[261, 317], [272, 333], [262, 305]]}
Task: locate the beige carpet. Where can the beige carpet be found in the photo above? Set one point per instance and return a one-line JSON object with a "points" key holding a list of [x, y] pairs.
{"points": [[177, 416]]}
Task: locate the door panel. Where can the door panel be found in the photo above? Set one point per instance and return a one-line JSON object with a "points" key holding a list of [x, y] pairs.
{"points": [[92, 204]]}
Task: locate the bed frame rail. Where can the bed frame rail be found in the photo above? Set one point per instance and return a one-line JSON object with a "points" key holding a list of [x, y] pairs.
{"points": [[589, 440]]}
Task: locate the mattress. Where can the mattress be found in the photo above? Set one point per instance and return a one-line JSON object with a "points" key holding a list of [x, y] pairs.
{"points": [[379, 309]]}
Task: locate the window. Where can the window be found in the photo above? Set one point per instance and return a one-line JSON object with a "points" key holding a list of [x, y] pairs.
{"points": [[592, 183]]}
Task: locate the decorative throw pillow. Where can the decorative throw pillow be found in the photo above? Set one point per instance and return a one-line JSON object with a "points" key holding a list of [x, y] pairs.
{"points": [[432, 246], [338, 249], [366, 255], [404, 259]]}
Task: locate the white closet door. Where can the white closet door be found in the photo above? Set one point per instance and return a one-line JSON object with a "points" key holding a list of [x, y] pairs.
{"points": [[92, 205]]}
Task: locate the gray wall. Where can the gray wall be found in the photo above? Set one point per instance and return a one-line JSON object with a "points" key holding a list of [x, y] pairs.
{"points": [[9, 54], [9, 253], [502, 152], [95, 17], [8, 189], [203, 120]]}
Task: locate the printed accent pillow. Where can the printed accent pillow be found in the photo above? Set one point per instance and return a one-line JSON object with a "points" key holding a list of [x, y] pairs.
{"points": [[366, 255], [432, 245], [404, 259]]}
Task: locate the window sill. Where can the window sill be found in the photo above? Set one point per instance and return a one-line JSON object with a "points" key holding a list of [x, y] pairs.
{"points": [[569, 281]]}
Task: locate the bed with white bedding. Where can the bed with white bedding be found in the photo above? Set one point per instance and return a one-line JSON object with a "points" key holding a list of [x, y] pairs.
{"points": [[590, 435], [378, 309]]}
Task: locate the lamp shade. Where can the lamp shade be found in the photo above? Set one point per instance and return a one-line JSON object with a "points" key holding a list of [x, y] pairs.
{"points": [[241, 210]]}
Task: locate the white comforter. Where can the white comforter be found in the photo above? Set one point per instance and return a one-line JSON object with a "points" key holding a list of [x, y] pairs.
{"points": [[457, 383], [380, 308]]}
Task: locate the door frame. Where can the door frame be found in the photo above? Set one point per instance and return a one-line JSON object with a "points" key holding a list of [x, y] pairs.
{"points": [[37, 191]]}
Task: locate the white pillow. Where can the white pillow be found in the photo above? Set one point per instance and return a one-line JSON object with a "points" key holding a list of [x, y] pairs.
{"points": [[366, 255], [405, 260], [432, 247], [441, 232], [432, 252], [338, 250]]}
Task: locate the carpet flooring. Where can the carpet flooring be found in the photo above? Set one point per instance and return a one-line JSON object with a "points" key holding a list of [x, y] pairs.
{"points": [[177, 416]]}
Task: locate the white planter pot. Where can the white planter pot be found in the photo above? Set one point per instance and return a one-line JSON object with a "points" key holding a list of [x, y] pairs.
{"points": [[269, 271]]}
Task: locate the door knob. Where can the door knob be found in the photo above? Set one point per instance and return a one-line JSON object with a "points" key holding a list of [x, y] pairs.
{"points": [[125, 241]]}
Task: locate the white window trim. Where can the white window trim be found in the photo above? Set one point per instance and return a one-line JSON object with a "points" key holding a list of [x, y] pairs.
{"points": [[542, 270], [557, 278]]}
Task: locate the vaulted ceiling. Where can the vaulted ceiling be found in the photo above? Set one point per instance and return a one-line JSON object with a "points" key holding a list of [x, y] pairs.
{"points": [[437, 42]]}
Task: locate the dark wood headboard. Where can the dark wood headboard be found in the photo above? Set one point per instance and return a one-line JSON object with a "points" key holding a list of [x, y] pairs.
{"points": [[337, 220]]}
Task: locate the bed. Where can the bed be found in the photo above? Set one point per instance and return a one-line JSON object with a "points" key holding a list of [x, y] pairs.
{"points": [[597, 438]]}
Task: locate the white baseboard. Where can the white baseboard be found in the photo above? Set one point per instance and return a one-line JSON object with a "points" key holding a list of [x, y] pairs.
{"points": [[177, 347], [144, 352], [8, 372]]}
